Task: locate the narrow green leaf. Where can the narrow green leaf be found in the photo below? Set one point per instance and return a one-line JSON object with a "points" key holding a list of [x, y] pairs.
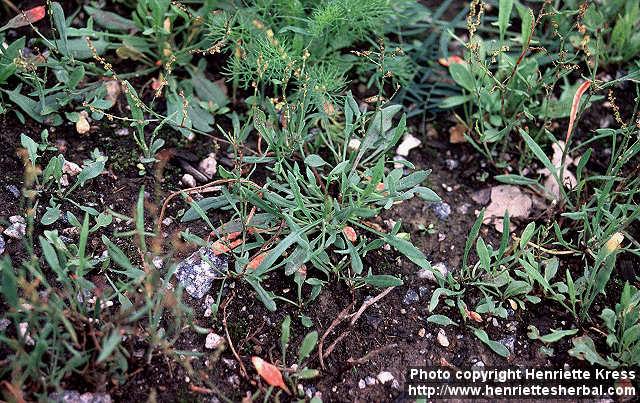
{"points": [[109, 345]]}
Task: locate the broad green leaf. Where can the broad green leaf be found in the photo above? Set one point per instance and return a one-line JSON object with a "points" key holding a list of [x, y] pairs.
{"points": [[31, 146], [556, 335], [110, 20], [441, 320], [264, 296], [61, 26], [407, 249], [285, 332], [383, 281], [51, 215], [208, 90], [527, 234], [314, 160], [462, 76], [307, 346]]}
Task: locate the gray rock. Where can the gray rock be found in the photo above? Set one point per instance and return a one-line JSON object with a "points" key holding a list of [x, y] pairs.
{"points": [[428, 273], [482, 197], [370, 380], [411, 297], [423, 291], [72, 396], [509, 342], [17, 229], [451, 164], [13, 189], [441, 210], [2, 244], [362, 384], [196, 273]]}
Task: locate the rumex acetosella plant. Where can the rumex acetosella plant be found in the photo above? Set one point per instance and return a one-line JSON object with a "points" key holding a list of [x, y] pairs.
{"points": [[328, 172]]}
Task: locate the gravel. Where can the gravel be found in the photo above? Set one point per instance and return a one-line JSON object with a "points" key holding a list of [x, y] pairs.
{"points": [[196, 273], [72, 396]]}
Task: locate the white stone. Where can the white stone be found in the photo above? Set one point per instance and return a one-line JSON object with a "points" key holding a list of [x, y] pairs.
{"points": [[209, 166], [442, 338], [71, 168], [213, 341], [23, 331], [409, 142], [354, 144], [385, 376], [428, 274], [188, 180]]}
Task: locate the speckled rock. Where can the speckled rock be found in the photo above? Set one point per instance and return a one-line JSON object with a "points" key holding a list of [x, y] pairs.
{"points": [[196, 273]]}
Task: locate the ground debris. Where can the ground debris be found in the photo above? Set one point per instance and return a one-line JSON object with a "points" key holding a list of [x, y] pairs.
{"points": [[17, 229], [409, 142], [72, 396], [385, 376], [507, 198], [196, 273]]}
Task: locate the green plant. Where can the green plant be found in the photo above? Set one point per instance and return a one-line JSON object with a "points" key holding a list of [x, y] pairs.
{"points": [[67, 323], [311, 212], [623, 334], [609, 30], [623, 326]]}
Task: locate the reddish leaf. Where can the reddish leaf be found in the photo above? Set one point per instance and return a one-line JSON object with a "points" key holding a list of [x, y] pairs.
{"points": [[256, 261], [225, 244], [270, 373], [474, 316], [574, 107], [350, 233], [26, 17], [450, 60]]}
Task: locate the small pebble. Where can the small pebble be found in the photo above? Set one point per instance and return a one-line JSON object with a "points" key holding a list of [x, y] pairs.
{"points": [[188, 180], [362, 384], [17, 229], [370, 380], [13, 189], [451, 164], [422, 332], [428, 274], [2, 244], [71, 168], [442, 338], [157, 262], [423, 291], [4, 324], [509, 342], [209, 166], [410, 297], [385, 376], [213, 341], [441, 210]]}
